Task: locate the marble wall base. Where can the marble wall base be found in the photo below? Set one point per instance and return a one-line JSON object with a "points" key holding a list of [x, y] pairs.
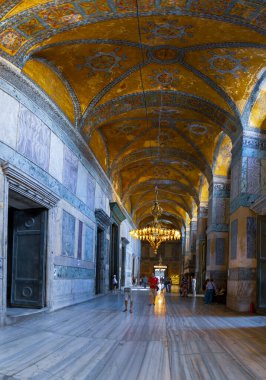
{"points": [[240, 294], [70, 292]]}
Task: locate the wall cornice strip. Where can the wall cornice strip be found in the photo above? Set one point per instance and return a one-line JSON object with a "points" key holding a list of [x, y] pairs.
{"points": [[28, 187]]}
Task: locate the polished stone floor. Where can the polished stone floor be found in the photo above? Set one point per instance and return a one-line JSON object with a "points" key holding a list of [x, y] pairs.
{"points": [[175, 339]]}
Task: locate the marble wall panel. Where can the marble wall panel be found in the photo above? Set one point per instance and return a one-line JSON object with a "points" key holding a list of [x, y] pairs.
{"points": [[88, 248], [220, 251], [80, 230], [82, 183], [68, 234], [234, 232], [236, 170], [220, 211], [33, 138], [91, 192], [263, 177], [251, 238], [253, 175], [100, 198], [208, 258], [70, 170], [9, 109], [56, 158]]}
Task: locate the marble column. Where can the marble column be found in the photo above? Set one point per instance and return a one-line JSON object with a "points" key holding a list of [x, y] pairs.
{"points": [[200, 269], [218, 231], [3, 241], [248, 177], [186, 252], [193, 238]]}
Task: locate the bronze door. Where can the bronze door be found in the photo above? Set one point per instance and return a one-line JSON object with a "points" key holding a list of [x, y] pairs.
{"points": [[29, 258]]}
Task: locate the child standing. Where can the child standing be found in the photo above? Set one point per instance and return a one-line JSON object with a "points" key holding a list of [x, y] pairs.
{"points": [[128, 299]]}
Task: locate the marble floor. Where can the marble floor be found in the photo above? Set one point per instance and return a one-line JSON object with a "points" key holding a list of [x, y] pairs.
{"points": [[175, 339]]}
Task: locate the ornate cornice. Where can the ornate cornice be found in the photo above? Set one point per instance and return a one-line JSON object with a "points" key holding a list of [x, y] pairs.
{"points": [[28, 187], [102, 218]]}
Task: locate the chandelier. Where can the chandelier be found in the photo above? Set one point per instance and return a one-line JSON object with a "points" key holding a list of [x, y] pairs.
{"points": [[156, 233]]}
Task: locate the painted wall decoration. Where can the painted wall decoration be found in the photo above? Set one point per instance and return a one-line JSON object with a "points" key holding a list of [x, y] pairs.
{"points": [[68, 234], [251, 238], [70, 170], [234, 236], [220, 251], [88, 253], [33, 138]]}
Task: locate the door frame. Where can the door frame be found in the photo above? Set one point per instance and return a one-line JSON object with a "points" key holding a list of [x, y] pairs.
{"points": [[14, 179]]}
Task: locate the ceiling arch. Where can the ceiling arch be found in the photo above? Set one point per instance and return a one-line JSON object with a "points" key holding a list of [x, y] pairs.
{"points": [[149, 86]]}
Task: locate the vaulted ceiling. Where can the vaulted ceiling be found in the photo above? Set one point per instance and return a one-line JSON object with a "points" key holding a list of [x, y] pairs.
{"points": [[149, 84]]}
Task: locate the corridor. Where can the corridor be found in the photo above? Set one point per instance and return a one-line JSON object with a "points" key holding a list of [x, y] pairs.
{"points": [[175, 339]]}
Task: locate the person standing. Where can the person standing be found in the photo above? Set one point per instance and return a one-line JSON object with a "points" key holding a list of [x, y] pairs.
{"points": [[145, 281], [153, 283], [210, 291], [114, 283], [193, 285], [128, 297]]}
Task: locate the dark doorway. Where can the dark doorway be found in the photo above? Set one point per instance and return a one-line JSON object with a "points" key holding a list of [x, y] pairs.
{"points": [[123, 269], [26, 260], [261, 287], [99, 259], [114, 254]]}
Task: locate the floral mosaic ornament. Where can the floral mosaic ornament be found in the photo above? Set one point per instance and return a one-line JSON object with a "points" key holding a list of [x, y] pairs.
{"points": [[103, 62], [131, 5], [164, 78], [226, 63], [161, 172], [96, 6], [11, 41], [31, 27], [167, 31], [198, 129], [61, 15]]}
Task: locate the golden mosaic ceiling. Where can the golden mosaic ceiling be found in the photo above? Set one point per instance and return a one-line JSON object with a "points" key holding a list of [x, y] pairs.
{"points": [[149, 84]]}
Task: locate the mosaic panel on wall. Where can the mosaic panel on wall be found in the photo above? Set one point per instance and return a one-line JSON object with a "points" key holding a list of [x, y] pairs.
{"points": [[68, 234], [33, 138]]}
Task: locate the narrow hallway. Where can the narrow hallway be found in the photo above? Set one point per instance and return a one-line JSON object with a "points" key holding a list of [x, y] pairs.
{"points": [[175, 339]]}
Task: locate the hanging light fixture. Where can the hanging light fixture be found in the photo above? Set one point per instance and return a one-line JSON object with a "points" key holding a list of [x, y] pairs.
{"points": [[156, 233]]}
